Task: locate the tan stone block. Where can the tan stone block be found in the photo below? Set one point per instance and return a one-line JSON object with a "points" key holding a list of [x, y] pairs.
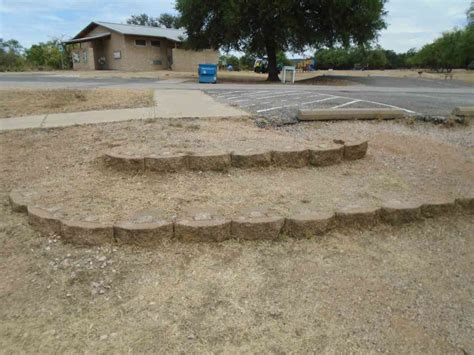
{"points": [[267, 228], [43, 221], [251, 159], [209, 162], [357, 216], [326, 156], [437, 208], [290, 157], [202, 230], [398, 213], [309, 224], [87, 233], [124, 162], [466, 203], [143, 234], [355, 150], [18, 202], [166, 163]]}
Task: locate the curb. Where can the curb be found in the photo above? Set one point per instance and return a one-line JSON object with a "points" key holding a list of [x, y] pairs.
{"points": [[464, 112], [215, 229], [350, 114], [328, 154]]}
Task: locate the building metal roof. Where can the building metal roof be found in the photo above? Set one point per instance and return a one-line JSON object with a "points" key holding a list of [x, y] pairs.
{"points": [[177, 35], [87, 39]]}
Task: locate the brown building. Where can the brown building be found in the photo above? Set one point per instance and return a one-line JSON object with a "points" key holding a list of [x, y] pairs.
{"points": [[113, 46]]}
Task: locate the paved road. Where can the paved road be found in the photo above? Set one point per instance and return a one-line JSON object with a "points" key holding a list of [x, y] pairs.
{"points": [[415, 95]]}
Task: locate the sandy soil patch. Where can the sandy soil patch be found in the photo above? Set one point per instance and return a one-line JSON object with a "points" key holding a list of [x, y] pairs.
{"points": [[64, 172], [14, 103]]}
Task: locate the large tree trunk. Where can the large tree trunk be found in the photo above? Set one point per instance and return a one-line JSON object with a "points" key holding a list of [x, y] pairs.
{"points": [[272, 63]]}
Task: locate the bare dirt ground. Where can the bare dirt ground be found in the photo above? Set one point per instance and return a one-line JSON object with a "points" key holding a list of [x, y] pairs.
{"points": [[15, 103], [397, 290]]}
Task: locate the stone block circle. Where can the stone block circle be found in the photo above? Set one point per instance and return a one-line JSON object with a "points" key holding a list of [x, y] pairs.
{"points": [[325, 155], [255, 226]]}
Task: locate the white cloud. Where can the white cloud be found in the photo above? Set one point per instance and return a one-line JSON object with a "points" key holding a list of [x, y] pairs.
{"points": [[413, 23]]}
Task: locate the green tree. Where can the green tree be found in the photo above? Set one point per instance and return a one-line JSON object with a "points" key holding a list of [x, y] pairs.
{"points": [[247, 61], [270, 26], [376, 59], [164, 20], [225, 60], [282, 59], [143, 20], [168, 21], [454, 49], [11, 55], [50, 54]]}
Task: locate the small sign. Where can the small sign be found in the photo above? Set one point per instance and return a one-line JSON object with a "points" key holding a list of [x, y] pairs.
{"points": [[117, 54]]}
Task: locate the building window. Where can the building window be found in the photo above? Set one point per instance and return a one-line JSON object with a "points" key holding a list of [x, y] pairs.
{"points": [[155, 43], [140, 42]]}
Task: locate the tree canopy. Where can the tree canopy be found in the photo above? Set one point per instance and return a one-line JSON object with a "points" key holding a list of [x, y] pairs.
{"points": [[164, 20], [271, 26], [454, 49]]}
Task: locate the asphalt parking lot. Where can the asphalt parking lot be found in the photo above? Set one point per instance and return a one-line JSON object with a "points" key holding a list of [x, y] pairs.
{"points": [[284, 104]]}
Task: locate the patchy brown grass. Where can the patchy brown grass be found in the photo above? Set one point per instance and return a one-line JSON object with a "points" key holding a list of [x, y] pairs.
{"points": [[14, 103], [387, 290], [393, 290], [251, 77]]}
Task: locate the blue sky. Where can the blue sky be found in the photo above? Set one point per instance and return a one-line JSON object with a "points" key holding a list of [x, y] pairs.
{"points": [[412, 23]]}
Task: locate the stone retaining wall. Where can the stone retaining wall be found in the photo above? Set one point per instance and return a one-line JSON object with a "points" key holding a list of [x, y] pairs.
{"points": [[206, 227], [222, 161]]}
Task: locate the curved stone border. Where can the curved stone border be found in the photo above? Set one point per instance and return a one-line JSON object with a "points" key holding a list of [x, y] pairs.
{"points": [[244, 159], [215, 229]]}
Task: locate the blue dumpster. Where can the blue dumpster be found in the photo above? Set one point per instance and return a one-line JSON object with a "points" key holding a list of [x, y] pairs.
{"points": [[207, 73]]}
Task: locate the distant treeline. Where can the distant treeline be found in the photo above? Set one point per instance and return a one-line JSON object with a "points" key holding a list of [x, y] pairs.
{"points": [[454, 49], [50, 55]]}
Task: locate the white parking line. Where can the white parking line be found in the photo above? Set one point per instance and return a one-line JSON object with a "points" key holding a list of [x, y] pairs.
{"points": [[228, 93], [391, 106], [346, 104], [252, 94], [321, 100], [276, 108], [280, 95], [255, 104]]}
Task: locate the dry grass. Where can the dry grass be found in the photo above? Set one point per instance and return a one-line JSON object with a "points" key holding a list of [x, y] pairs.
{"points": [[248, 76], [459, 74], [388, 290], [14, 103], [80, 188]]}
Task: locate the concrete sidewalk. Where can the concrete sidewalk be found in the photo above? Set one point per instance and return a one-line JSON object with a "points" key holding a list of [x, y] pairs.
{"points": [[168, 104]]}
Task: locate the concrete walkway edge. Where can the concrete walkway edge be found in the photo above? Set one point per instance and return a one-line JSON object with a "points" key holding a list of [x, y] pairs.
{"points": [[169, 104]]}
